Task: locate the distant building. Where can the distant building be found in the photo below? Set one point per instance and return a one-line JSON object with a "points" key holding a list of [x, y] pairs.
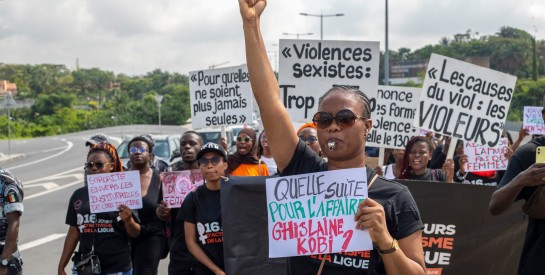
{"points": [[6, 87], [402, 72]]}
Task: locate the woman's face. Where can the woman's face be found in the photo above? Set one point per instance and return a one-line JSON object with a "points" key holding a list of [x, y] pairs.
{"points": [[349, 141], [245, 144], [99, 163], [310, 136], [141, 155], [419, 156], [212, 166], [398, 155], [264, 141]]}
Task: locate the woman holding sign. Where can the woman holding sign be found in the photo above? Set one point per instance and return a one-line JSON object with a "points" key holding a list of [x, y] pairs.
{"points": [[415, 162], [202, 213], [101, 232], [343, 123]]}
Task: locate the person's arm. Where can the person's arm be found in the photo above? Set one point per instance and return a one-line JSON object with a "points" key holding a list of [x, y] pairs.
{"points": [[522, 134], [196, 250], [70, 243], [133, 228], [409, 258], [503, 197], [448, 168], [281, 135], [10, 246], [162, 211]]}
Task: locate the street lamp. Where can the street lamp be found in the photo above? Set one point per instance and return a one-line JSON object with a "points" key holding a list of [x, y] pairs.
{"points": [[298, 34], [8, 103], [386, 52], [159, 98], [321, 20]]}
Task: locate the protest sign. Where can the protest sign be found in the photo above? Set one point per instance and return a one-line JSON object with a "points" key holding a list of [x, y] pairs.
{"points": [[533, 120], [464, 101], [393, 113], [314, 213], [220, 97], [109, 190], [484, 158], [177, 184], [449, 233], [308, 68]]}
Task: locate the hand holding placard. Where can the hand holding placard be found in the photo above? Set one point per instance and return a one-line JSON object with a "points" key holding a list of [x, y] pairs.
{"points": [[108, 191]]}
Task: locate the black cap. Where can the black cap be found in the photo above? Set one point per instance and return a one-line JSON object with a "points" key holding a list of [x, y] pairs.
{"points": [[212, 147], [145, 138], [97, 139]]}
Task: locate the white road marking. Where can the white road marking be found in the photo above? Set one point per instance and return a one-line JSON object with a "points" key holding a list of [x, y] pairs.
{"points": [[53, 190], [46, 185], [61, 175], [68, 147], [41, 241]]}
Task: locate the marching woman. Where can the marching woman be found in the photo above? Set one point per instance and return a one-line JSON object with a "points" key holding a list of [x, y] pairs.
{"points": [[245, 161], [201, 213], [415, 162], [103, 233]]}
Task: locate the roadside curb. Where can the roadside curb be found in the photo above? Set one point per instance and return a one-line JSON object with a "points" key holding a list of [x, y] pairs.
{"points": [[4, 158]]}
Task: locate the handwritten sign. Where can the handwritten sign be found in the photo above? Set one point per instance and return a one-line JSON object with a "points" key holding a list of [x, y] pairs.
{"points": [[484, 158], [314, 213], [393, 112], [533, 120], [108, 191], [176, 186], [220, 97], [308, 68], [464, 101]]}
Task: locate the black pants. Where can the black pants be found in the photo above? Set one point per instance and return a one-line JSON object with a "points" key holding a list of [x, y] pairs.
{"points": [[146, 254]]}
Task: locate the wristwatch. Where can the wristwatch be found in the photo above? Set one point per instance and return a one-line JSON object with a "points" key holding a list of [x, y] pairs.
{"points": [[4, 262], [395, 246]]}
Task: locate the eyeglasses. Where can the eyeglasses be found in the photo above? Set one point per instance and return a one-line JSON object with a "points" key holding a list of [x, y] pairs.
{"points": [[134, 150], [98, 164], [309, 139], [213, 160], [245, 139], [344, 118]]}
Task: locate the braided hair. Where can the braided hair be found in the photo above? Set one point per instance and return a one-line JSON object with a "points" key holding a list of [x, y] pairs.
{"points": [[405, 166], [111, 152], [358, 95]]}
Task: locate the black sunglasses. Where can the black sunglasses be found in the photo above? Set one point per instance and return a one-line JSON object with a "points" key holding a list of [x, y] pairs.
{"points": [[213, 160], [344, 118], [98, 164], [309, 139], [245, 139]]}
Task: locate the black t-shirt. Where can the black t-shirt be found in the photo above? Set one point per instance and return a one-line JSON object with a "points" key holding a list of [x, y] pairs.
{"points": [[110, 239], [150, 223], [430, 175], [402, 219], [533, 251], [202, 207]]}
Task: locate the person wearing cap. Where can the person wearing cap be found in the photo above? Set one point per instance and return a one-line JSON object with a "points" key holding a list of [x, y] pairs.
{"points": [[245, 162], [151, 244], [201, 212], [96, 139]]}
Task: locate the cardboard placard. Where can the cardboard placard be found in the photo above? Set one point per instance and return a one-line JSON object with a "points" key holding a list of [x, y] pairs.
{"points": [[109, 190]]}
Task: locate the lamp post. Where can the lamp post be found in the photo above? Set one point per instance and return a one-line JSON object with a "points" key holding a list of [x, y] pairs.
{"points": [[298, 34], [159, 98], [8, 103], [386, 52], [321, 20]]}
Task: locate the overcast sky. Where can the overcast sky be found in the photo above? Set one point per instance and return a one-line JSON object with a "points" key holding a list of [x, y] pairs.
{"points": [[138, 36]]}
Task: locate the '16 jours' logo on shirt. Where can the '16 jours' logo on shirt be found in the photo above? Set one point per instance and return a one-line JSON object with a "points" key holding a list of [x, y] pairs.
{"points": [[89, 223], [210, 233]]}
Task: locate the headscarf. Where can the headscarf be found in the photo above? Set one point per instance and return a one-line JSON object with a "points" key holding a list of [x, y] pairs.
{"points": [[110, 150], [306, 125], [235, 160]]}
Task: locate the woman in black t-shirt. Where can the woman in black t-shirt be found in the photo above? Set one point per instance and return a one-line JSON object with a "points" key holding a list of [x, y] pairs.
{"points": [[102, 231], [201, 212], [151, 244], [415, 162]]}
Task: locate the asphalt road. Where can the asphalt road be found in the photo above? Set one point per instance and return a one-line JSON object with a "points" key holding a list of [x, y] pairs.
{"points": [[51, 168]]}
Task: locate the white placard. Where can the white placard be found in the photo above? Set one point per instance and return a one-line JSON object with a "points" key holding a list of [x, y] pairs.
{"points": [[107, 191], [220, 97], [314, 213], [393, 112], [484, 158], [178, 184], [464, 101], [308, 68], [533, 120]]}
